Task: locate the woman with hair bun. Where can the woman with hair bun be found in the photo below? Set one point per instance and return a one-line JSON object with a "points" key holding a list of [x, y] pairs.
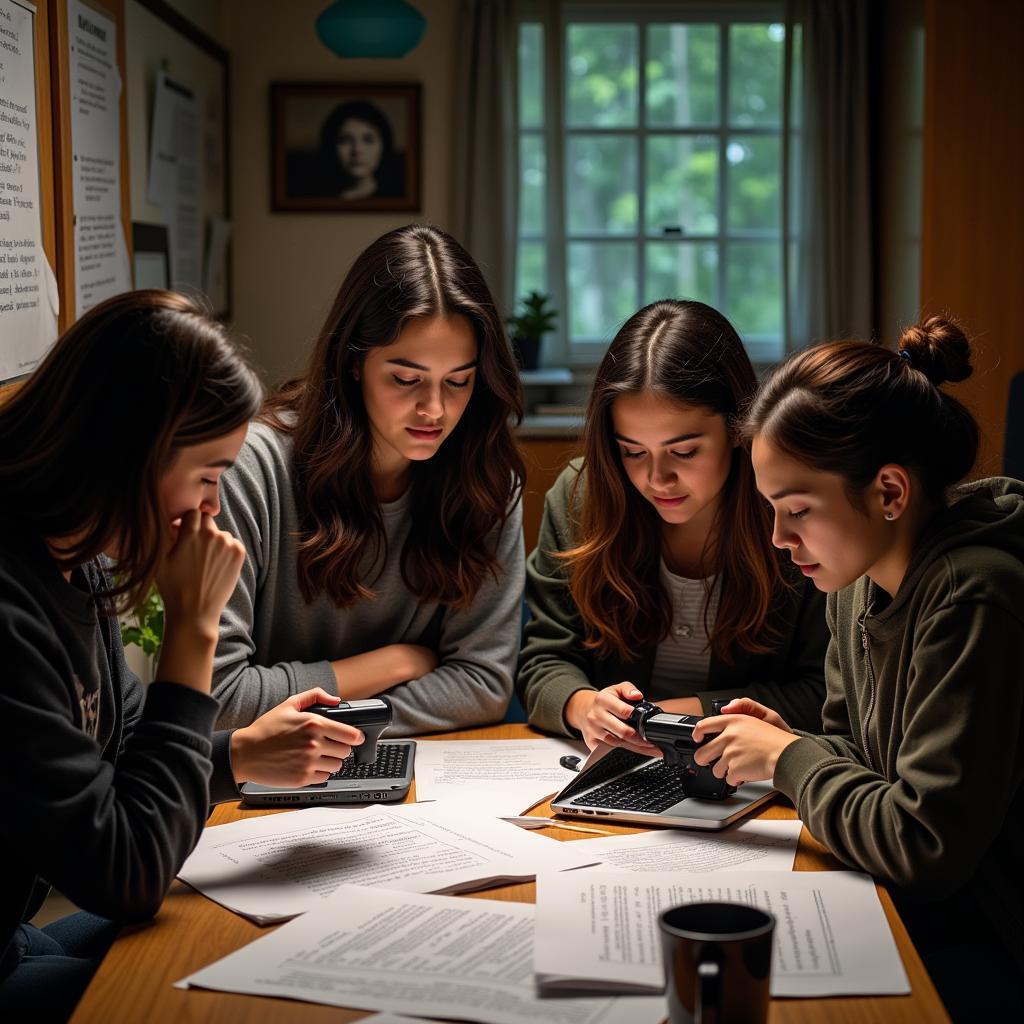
{"points": [[917, 776]]}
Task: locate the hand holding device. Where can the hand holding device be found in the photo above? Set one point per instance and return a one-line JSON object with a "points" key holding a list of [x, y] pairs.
{"points": [[673, 736], [371, 716]]}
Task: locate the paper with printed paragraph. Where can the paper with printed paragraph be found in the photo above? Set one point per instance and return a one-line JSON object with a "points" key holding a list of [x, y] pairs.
{"points": [[598, 930], [275, 866], [433, 956], [507, 778], [757, 845]]}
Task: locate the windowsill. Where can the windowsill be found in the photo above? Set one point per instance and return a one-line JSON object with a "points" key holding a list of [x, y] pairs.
{"points": [[538, 427], [546, 376]]}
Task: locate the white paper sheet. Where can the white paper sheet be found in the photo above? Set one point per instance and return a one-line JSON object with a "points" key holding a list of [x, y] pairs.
{"points": [[276, 866], [600, 929], [28, 319], [508, 777], [391, 1018], [215, 268], [174, 177], [757, 845], [101, 255], [435, 956]]}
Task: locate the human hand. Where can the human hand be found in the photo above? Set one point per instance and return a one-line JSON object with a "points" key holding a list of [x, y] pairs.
{"points": [[288, 746], [746, 706], [742, 747], [599, 714], [198, 574]]}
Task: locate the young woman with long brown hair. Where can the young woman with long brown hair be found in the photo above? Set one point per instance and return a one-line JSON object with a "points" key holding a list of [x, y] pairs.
{"points": [[917, 773], [654, 571], [110, 455], [378, 500]]}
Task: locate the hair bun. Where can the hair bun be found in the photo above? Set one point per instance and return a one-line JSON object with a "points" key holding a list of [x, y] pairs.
{"points": [[939, 349]]}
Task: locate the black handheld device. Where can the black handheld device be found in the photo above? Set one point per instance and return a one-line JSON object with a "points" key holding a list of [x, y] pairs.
{"points": [[673, 736], [372, 716]]}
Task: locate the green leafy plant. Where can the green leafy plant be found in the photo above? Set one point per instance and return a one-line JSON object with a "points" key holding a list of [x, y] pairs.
{"points": [[145, 625], [530, 325]]}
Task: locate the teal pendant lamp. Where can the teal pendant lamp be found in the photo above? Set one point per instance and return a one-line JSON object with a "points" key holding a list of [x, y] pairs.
{"points": [[370, 28]]}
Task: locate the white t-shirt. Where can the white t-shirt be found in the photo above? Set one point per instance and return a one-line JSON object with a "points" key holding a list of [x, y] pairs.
{"points": [[681, 662]]}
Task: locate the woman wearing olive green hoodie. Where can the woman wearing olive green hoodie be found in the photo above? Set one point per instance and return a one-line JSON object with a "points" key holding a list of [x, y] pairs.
{"points": [[917, 778]]}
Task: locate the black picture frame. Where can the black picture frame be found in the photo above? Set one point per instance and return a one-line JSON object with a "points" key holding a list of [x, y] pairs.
{"points": [[345, 147]]}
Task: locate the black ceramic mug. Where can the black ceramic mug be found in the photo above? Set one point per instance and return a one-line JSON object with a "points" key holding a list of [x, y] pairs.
{"points": [[718, 959]]}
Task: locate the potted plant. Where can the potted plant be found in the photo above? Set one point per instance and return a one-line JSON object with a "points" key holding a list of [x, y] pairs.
{"points": [[529, 327], [145, 627]]}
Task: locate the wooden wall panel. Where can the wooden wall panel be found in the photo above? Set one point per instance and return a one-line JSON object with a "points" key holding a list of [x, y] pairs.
{"points": [[545, 458], [972, 260]]}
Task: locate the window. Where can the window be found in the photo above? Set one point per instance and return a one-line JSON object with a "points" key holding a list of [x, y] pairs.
{"points": [[650, 156]]}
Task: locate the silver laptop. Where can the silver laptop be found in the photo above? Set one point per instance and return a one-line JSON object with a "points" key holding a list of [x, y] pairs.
{"points": [[630, 788], [383, 781]]}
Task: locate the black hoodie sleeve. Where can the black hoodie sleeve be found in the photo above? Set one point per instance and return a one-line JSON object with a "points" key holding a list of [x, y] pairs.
{"points": [[110, 836], [222, 781]]}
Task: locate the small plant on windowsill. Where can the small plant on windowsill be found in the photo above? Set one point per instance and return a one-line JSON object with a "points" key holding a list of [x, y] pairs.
{"points": [[529, 327], [144, 626]]}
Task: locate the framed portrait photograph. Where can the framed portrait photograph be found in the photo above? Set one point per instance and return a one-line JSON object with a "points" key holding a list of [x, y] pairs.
{"points": [[344, 146]]}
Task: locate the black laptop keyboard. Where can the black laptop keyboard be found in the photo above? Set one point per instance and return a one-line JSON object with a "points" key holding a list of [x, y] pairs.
{"points": [[653, 788], [392, 759]]}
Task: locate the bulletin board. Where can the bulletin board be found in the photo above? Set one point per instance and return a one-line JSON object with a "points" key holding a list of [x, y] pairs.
{"points": [[53, 118], [161, 39], [151, 36], [44, 141]]}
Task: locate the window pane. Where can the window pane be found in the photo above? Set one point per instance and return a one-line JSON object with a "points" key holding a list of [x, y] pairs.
{"points": [[682, 270], [682, 75], [754, 195], [601, 184], [531, 185], [753, 276], [602, 288], [531, 268], [682, 184], [531, 76], [602, 74], [755, 74]]}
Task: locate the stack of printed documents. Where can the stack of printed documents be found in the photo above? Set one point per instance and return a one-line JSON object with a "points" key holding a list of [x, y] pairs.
{"points": [[276, 866], [597, 931], [430, 956]]}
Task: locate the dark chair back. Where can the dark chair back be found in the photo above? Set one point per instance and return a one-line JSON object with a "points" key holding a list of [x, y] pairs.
{"points": [[1013, 452]]}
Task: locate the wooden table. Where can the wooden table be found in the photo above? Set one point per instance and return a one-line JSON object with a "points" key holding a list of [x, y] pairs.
{"points": [[134, 981]]}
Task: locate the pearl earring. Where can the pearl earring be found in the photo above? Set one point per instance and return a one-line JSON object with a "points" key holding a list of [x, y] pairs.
{"points": [[890, 516]]}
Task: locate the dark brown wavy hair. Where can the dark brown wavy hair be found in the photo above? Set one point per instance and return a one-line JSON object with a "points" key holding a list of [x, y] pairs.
{"points": [[850, 407], [460, 495], [689, 353], [84, 441]]}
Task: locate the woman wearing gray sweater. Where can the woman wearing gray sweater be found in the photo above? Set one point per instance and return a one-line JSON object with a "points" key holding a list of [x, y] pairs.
{"points": [[378, 501]]}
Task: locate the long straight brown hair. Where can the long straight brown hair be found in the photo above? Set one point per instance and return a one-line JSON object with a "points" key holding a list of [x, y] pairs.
{"points": [[689, 353], [84, 441], [460, 495]]}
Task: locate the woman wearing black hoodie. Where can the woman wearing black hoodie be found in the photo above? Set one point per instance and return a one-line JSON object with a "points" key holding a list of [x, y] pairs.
{"points": [[110, 456]]}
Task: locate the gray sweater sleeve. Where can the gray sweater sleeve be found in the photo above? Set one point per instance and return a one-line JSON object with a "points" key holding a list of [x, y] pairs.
{"points": [[251, 510], [472, 683]]}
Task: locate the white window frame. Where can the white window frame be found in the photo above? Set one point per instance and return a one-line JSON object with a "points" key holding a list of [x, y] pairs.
{"points": [[555, 18]]}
